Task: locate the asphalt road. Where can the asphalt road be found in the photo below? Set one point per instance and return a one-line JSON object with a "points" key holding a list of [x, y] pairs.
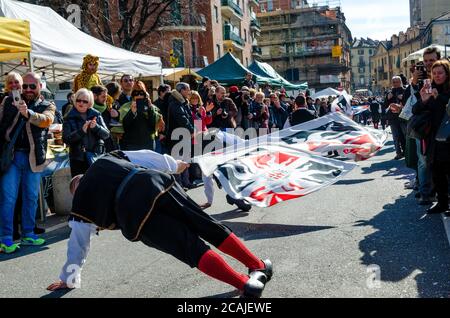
{"points": [[362, 237]]}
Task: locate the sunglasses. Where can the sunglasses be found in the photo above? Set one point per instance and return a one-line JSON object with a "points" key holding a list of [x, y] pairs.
{"points": [[82, 101], [31, 86], [141, 93], [126, 80]]}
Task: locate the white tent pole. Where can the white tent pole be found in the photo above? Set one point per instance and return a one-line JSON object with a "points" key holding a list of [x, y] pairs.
{"points": [[30, 62], [53, 71]]}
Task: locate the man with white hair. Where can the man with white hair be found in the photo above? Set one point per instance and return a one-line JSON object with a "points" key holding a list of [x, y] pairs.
{"points": [[25, 122]]}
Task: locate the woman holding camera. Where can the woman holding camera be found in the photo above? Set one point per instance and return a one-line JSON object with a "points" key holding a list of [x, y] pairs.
{"points": [[434, 98], [84, 131], [140, 119]]}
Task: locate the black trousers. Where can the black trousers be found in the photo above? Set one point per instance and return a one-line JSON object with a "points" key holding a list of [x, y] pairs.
{"points": [[441, 173], [178, 226]]}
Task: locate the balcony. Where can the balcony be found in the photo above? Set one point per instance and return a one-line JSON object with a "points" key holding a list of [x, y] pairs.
{"points": [[256, 51], [230, 35], [231, 10], [255, 25], [192, 23]]}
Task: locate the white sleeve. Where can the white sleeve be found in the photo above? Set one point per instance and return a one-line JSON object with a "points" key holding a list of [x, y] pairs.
{"points": [[77, 251], [287, 124], [153, 160]]}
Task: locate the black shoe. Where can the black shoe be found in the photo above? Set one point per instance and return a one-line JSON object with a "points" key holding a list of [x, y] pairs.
{"points": [[253, 288], [267, 270], [240, 203], [437, 208], [258, 276]]}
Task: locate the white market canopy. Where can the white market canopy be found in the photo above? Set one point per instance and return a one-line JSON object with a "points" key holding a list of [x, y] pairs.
{"points": [[326, 92], [418, 55], [58, 47]]}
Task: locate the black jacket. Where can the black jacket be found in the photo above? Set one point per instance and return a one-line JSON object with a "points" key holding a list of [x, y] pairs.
{"points": [[179, 115], [301, 115], [78, 141], [95, 200], [140, 129], [36, 128], [436, 150]]}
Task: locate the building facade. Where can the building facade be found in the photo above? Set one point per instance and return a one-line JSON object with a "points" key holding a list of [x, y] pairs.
{"points": [[361, 51], [298, 40], [423, 11], [388, 60], [438, 31], [195, 32]]}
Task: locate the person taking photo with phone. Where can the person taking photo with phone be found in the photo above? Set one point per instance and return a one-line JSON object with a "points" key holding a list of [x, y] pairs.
{"points": [[141, 120]]}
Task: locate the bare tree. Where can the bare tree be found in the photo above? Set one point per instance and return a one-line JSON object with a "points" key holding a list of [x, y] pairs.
{"points": [[125, 23]]}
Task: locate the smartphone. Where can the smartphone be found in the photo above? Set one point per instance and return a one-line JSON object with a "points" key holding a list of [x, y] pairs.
{"points": [[141, 105], [16, 96], [427, 84]]}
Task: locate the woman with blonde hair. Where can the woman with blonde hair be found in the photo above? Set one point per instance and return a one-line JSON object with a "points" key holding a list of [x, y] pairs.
{"points": [[84, 131]]}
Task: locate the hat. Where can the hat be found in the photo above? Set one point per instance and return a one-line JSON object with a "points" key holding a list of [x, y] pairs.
{"points": [[245, 88], [234, 89]]}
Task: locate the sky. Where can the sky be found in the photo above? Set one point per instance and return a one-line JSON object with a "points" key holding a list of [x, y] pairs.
{"points": [[378, 19]]}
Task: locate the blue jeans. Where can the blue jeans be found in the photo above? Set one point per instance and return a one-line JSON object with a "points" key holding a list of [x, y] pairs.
{"points": [[19, 171], [423, 172]]}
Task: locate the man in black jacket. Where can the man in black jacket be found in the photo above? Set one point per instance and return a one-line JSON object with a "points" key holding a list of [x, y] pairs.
{"points": [[179, 115], [147, 205], [301, 114], [393, 105]]}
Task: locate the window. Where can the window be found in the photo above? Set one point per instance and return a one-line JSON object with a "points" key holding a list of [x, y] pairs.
{"points": [[178, 50], [176, 12], [370, 52], [218, 51], [246, 61], [447, 30], [216, 13], [269, 5], [361, 52], [362, 80], [245, 35], [361, 70], [292, 74]]}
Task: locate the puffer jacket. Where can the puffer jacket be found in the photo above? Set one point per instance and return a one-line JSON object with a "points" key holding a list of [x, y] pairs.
{"points": [[80, 142]]}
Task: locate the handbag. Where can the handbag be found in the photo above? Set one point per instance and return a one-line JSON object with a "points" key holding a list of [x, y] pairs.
{"points": [[443, 134], [7, 154], [419, 126], [406, 113]]}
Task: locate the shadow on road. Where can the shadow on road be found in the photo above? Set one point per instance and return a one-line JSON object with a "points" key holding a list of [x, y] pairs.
{"points": [[57, 293], [50, 238], [253, 231], [350, 182], [408, 243]]}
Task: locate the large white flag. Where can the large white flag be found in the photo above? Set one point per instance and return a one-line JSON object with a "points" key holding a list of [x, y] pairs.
{"points": [[290, 163], [265, 175]]}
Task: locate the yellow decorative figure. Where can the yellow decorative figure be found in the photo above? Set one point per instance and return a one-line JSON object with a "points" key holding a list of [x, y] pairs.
{"points": [[88, 76]]}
